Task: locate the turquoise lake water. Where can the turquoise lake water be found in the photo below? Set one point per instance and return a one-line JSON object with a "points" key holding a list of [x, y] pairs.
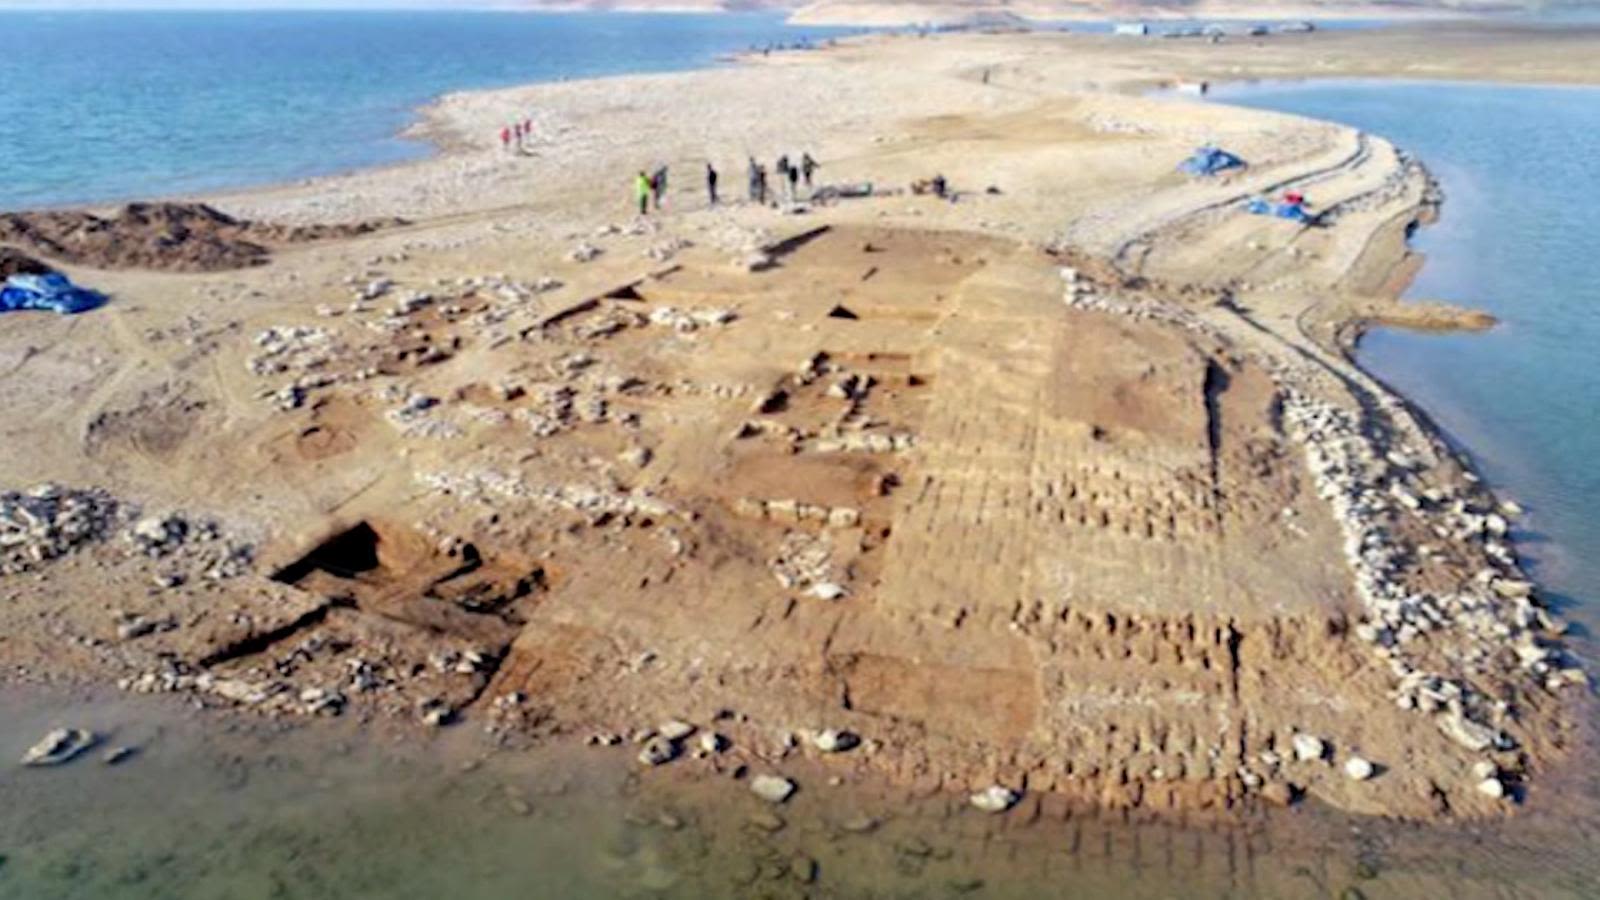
{"points": [[1520, 167], [116, 105]]}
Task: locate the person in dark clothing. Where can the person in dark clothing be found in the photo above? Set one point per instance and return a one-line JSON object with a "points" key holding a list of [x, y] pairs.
{"points": [[711, 183], [794, 183], [658, 185], [808, 166], [761, 184], [753, 174], [781, 167]]}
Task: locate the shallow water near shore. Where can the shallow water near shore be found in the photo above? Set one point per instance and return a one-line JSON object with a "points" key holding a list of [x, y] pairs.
{"points": [[218, 806], [107, 105], [1518, 238]]}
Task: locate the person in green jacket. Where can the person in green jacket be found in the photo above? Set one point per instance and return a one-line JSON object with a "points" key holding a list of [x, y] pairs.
{"points": [[641, 187]]}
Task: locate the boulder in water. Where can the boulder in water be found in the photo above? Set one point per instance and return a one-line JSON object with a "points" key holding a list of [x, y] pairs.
{"points": [[59, 746]]}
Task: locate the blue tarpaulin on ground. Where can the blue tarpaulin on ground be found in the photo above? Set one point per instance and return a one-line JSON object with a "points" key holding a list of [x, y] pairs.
{"points": [[1263, 207], [50, 292], [1210, 161]]}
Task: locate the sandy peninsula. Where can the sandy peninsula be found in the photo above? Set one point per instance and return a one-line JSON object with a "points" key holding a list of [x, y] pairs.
{"points": [[1060, 491]]}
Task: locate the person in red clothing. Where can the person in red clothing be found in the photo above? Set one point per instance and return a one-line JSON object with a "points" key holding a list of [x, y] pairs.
{"points": [[505, 139]]}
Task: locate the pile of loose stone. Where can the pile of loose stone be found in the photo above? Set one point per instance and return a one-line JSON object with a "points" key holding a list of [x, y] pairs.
{"points": [[685, 321], [1472, 626], [293, 349], [319, 676], [50, 521], [805, 562], [416, 415]]}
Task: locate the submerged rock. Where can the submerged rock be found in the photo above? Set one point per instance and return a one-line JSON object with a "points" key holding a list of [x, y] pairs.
{"points": [[59, 746]]}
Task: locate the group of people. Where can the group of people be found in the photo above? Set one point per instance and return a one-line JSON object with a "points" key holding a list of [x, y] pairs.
{"points": [[790, 174], [649, 188], [516, 131]]}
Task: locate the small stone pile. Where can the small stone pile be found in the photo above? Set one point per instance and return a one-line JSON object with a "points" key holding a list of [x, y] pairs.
{"points": [[197, 544], [685, 321], [805, 561], [416, 415], [288, 349], [50, 521]]}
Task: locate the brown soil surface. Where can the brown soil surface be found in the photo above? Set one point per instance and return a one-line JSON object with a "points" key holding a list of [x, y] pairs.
{"points": [[1066, 486], [175, 237]]}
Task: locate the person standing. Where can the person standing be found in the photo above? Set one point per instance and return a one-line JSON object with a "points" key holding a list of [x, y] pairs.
{"points": [[642, 187], [794, 183], [711, 183], [808, 167], [761, 184], [658, 185], [754, 176], [505, 139]]}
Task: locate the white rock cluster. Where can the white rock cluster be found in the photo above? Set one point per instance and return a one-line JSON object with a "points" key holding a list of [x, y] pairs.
{"points": [[287, 348], [488, 486], [50, 521], [866, 442], [685, 321], [794, 511], [805, 561], [1366, 491]]}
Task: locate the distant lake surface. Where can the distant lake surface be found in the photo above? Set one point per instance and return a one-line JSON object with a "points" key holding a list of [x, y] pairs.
{"points": [[114, 105], [1518, 238]]}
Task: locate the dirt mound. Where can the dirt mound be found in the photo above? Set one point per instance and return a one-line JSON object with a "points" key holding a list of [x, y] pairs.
{"points": [[178, 237], [15, 262]]}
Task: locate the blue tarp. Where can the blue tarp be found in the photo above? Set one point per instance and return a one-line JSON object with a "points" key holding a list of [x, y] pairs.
{"points": [[52, 291], [1210, 161], [1263, 207]]}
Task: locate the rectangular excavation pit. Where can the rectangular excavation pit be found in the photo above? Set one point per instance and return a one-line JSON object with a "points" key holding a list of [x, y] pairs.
{"points": [[394, 572]]}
